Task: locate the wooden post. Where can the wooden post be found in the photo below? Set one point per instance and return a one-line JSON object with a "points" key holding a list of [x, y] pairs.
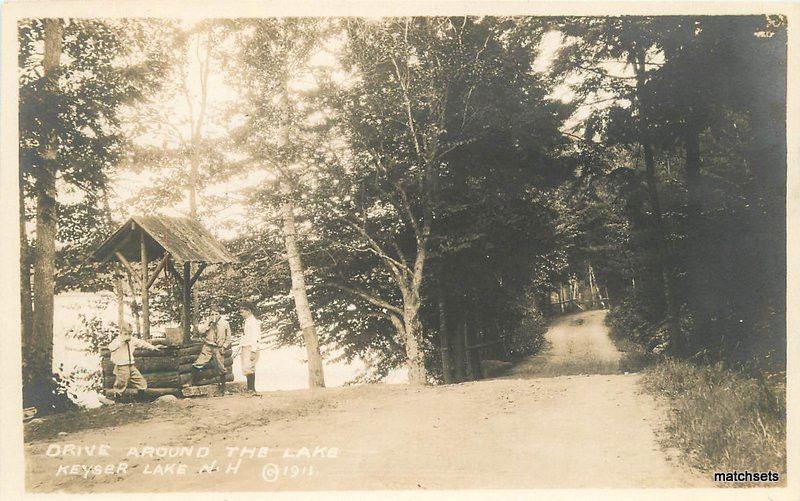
{"points": [[119, 291], [187, 302], [145, 289], [160, 267], [134, 305]]}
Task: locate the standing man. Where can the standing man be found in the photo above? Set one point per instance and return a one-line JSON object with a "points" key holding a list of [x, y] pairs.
{"points": [[249, 344], [217, 338], [122, 348]]}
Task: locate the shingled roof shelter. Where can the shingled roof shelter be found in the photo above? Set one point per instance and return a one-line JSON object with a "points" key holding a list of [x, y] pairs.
{"points": [[178, 244]]}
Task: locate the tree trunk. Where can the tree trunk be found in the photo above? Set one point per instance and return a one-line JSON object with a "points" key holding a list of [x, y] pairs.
{"points": [[145, 278], [414, 354], [134, 305], [444, 338], [186, 302], [693, 180], [473, 358], [119, 292], [194, 173], [316, 377], [197, 123], [25, 274], [119, 285], [196, 140], [669, 306], [698, 295], [39, 356], [459, 354]]}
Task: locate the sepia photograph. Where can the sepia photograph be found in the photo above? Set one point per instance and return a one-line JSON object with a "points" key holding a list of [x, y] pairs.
{"points": [[355, 250]]}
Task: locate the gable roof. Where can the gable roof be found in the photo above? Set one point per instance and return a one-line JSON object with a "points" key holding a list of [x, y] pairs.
{"points": [[183, 238]]}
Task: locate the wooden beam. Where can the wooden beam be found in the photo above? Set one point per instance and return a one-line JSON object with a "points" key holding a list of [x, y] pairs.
{"points": [[197, 274], [127, 266], [174, 272], [212, 390], [161, 266], [145, 288], [187, 302], [119, 290], [134, 306], [179, 279]]}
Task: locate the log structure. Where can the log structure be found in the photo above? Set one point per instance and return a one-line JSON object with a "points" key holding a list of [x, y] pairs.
{"points": [[178, 248], [169, 368]]}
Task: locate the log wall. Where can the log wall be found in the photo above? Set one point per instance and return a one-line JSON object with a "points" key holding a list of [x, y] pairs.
{"points": [[168, 368]]}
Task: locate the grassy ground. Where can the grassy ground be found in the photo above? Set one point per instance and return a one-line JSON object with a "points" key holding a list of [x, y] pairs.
{"points": [[723, 420]]}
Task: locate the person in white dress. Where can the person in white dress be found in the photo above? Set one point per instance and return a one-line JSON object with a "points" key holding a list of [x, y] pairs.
{"points": [[249, 344]]}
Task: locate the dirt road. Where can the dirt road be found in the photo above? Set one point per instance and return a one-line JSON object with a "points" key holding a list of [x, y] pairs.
{"points": [[531, 429]]}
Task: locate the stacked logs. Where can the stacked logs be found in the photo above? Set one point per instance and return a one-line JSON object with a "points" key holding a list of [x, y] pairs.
{"points": [[169, 369]]}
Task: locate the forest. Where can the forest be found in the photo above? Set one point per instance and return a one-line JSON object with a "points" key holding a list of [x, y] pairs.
{"points": [[411, 191]]}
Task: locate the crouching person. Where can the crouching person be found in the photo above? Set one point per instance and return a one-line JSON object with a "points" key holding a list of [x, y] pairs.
{"points": [[216, 339], [249, 344], [125, 372]]}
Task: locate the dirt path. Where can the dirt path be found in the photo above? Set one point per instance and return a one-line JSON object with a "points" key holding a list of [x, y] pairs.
{"points": [[532, 429], [576, 344]]}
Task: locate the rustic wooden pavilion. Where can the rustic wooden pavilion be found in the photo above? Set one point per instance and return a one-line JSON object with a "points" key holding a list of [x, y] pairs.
{"points": [[177, 243], [183, 248]]}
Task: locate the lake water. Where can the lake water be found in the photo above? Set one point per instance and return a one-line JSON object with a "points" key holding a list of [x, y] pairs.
{"points": [[277, 369]]}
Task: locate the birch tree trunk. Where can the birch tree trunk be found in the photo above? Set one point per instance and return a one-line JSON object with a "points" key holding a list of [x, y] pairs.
{"points": [[39, 356], [410, 290], [316, 377], [414, 354], [196, 123]]}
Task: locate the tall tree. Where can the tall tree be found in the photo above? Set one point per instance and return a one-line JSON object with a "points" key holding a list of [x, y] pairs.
{"points": [[275, 53], [70, 94], [39, 356], [428, 115], [616, 59], [180, 137], [691, 94]]}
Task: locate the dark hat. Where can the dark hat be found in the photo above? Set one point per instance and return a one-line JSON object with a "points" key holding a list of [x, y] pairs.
{"points": [[247, 305]]}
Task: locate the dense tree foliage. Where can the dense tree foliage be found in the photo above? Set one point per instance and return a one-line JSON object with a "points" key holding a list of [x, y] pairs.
{"points": [[701, 103], [410, 191], [75, 75]]}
